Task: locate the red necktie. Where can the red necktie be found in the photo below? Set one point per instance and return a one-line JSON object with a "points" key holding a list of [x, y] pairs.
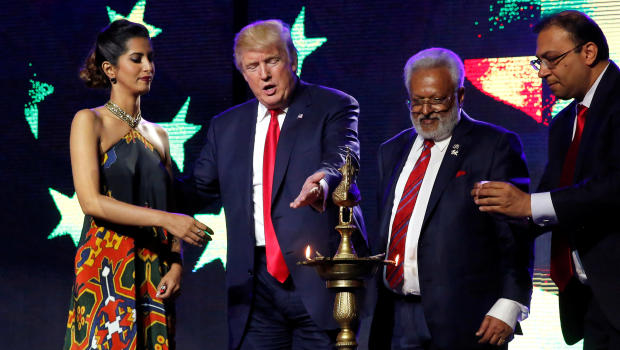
{"points": [[275, 260], [561, 262], [394, 274]]}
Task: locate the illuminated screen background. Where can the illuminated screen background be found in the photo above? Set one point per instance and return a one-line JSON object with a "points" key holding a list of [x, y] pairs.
{"points": [[359, 47]]}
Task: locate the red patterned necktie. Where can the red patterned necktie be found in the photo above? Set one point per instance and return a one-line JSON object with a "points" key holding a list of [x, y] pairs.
{"points": [[394, 274], [275, 260], [561, 262]]}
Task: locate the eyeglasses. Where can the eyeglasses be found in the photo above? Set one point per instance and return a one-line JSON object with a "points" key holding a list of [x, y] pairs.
{"points": [[551, 63], [437, 104]]}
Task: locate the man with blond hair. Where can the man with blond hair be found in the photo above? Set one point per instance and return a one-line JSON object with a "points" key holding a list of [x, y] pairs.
{"points": [[273, 162]]}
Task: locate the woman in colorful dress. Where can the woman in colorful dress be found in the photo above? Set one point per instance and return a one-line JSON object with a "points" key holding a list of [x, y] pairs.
{"points": [[128, 262]]}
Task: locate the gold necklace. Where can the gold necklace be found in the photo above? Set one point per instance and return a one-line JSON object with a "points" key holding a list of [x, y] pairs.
{"points": [[122, 115]]}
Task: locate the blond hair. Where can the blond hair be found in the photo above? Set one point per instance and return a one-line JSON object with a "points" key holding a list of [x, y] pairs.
{"points": [[263, 34]]}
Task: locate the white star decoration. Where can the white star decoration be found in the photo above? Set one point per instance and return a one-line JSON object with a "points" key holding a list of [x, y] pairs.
{"points": [[216, 248], [178, 133], [71, 216]]}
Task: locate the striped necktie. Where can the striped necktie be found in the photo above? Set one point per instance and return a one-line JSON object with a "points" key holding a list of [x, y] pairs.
{"points": [[394, 274]]}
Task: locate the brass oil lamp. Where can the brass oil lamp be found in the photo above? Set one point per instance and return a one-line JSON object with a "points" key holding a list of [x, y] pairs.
{"points": [[345, 272]]}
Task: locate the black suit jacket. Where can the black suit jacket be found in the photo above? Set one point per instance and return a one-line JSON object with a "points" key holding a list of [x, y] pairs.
{"points": [[467, 260], [587, 210], [319, 124]]}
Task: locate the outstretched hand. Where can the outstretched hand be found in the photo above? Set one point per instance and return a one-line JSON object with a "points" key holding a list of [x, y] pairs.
{"points": [[311, 191], [502, 198]]}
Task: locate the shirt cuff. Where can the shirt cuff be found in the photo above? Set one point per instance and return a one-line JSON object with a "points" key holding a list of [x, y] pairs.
{"points": [[509, 311], [318, 206], [543, 213], [581, 273]]}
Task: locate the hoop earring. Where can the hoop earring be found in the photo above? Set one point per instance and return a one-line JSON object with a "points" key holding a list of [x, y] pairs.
{"points": [[113, 80]]}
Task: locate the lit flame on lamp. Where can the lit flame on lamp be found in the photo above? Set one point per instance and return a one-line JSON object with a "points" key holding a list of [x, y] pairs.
{"points": [[396, 260], [308, 252]]}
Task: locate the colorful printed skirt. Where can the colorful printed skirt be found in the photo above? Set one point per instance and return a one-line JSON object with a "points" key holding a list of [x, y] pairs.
{"points": [[113, 304]]}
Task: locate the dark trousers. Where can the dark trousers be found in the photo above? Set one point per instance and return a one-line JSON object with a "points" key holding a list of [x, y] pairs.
{"points": [[599, 334], [404, 327], [410, 330], [582, 318], [278, 318]]}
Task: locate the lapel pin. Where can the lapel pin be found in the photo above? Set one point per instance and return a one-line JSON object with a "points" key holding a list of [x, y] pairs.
{"points": [[300, 115], [455, 149]]}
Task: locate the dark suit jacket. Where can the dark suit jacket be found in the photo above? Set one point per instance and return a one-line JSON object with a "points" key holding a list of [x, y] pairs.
{"points": [[319, 123], [587, 210], [467, 260]]}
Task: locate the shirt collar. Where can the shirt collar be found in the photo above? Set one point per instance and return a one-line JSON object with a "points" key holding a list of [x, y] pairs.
{"points": [[441, 145], [263, 112], [587, 99]]}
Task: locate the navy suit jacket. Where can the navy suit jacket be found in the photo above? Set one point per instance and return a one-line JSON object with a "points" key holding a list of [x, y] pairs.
{"points": [[319, 124], [587, 211], [467, 260]]}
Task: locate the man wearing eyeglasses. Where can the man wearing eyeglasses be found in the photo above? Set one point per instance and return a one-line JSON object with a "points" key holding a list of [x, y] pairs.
{"points": [[579, 194], [461, 279]]}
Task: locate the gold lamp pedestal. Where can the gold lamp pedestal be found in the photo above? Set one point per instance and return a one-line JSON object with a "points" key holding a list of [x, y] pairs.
{"points": [[346, 272]]}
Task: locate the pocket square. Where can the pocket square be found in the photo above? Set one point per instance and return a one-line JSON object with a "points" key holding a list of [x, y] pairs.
{"points": [[460, 173]]}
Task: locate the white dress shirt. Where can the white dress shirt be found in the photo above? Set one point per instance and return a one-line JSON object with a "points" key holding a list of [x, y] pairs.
{"points": [[411, 284], [509, 311], [262, 126], [543, 212]]}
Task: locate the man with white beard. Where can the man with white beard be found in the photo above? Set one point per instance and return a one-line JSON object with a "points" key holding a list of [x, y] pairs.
{"points": [[462, 279]]}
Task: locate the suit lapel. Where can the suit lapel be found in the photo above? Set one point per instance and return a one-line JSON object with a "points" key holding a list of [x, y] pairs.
{"points": [[387, 197], [450, 163], [561, 134], [595, 119], [288, 135], [566, 129]]}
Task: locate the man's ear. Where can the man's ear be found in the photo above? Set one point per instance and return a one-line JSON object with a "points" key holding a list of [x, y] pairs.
{"points": [[460, 95], [294, 64], [589, 51]]}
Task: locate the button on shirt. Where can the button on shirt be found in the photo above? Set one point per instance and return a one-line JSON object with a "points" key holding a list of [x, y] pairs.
{"points": [[543, 212], [506, 310]]}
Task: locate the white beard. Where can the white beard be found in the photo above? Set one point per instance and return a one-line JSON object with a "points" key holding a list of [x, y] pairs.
{"points": [[445, 127]]}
